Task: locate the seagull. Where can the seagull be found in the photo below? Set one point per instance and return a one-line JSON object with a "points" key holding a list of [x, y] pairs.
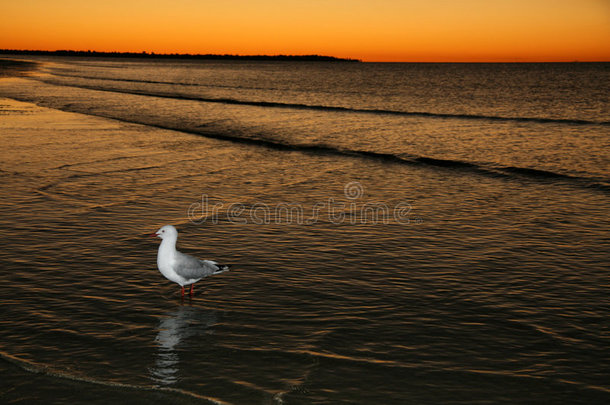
{"points": [[179, 267]]}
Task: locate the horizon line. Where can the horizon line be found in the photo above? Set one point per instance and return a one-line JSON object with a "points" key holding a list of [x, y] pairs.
{"points": [[176, 55], [258, 57]]}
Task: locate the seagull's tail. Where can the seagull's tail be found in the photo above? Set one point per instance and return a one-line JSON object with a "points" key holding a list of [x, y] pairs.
{"points": [[221, 268]]}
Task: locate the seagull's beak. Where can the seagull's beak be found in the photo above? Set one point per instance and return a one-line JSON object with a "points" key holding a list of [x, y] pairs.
{"points": [[154, 235]]}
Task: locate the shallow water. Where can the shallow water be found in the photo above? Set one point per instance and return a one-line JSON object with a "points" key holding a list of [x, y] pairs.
{"points": [[362, 273]]}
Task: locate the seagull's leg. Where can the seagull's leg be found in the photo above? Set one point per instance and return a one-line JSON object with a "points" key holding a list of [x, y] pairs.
{"points": [[191, 293], [182, 290]]}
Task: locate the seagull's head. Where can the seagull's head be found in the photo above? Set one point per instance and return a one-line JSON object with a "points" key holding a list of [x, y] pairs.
{"points": [[165, 232]]}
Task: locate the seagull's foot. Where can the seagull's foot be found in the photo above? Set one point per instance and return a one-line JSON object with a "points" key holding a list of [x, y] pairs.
{"points": [[182, 291], [191, 292]]}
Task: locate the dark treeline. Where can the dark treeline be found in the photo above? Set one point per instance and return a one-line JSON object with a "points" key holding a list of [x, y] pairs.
{"points": [[304, 58]]}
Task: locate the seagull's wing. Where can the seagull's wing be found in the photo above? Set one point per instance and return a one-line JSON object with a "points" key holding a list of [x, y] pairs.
{"points": [[191, 268], [216, 267]]}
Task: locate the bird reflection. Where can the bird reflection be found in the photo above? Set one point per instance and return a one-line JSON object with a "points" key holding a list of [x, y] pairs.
{"points": [[176, 327]]}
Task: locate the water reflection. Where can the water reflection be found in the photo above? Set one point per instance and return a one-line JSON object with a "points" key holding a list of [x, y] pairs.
{"points": [[174, 328]]}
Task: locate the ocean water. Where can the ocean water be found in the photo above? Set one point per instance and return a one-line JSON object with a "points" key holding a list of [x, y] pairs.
{"points": [[399, 233]]}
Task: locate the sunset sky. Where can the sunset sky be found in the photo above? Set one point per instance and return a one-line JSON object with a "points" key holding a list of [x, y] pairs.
{"points": [[380, 30]]}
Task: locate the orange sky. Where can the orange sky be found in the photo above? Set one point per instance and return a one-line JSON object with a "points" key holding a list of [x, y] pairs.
{"points": [[379, 30]]}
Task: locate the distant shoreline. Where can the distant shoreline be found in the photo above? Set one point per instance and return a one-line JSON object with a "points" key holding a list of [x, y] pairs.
{"points": [[152, 55], [271, 58]]}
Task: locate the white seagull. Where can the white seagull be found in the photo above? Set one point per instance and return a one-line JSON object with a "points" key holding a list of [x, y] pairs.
{"points": [[179, 267]]}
